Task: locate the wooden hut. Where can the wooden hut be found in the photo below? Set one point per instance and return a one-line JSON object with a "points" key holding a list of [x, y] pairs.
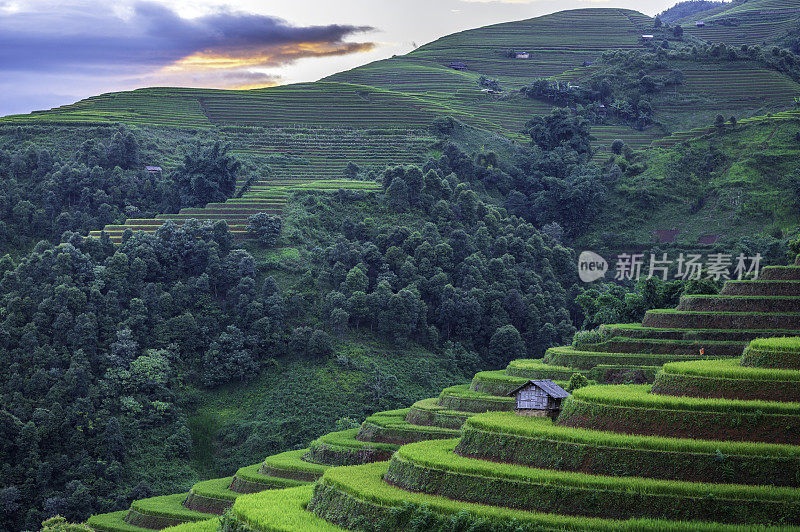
{"points": [[700, 24], [153, 169], [458, 65], [539, 398], [522, 55]]}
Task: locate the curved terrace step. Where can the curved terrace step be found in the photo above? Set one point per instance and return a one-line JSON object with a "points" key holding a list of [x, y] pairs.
{"points": [[632, 409], [761, 288], [538, 442], [587, 360], [724, 303], [780, 273], [432, 467], [719, 335], [669, 347], [668, 318]]}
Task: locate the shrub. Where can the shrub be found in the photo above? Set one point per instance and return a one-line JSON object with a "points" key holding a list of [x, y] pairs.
{"points": [[266, 228], [585, 340], [578, 380]]}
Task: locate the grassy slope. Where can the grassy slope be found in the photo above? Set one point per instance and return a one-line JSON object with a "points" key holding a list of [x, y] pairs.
{"points": [[246, 422], [748, 189], [409, 91], [756, 22]]}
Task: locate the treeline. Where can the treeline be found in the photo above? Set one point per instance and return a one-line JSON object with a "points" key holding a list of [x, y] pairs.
{"points": [[44, 192], [96, 342], [551, 183], [622, 85], [688, 8], [461, 271]]}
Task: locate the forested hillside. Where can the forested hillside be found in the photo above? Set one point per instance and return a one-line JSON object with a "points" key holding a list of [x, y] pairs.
{"points": [[194, 279]]}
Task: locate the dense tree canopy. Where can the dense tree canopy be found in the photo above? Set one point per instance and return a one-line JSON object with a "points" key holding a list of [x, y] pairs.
{"points": [[44, 193]]}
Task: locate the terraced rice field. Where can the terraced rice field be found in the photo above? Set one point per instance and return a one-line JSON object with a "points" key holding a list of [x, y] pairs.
{"points": [[171, 106], [605, 135], [707, 447], [737, 87], [298, 159], [751, 22], [268, 198], [323, 154], [761, 6], [377, 439], [579, 30], [409, 92], [556, 43], [752, 29]]}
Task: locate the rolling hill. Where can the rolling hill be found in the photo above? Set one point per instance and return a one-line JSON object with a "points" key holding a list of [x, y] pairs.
{"points": [[380, 113]]}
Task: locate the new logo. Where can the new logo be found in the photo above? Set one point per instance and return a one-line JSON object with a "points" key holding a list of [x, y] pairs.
{"points": [[591, 266]]}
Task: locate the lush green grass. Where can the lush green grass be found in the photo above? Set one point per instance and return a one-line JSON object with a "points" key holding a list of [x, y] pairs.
{"points": [[209, 525], [498, 382], [346, 438], [392, 427], [666, 346], [430, 412], [495, 382], [170, 506], [730, 369], [638, 396], [735, 320], [507, 423], [637, 330], [536, 369], [362, 491], [633, 410], [438, 454], [252, 474], [785, 345], [461, 398], [279, 511], [342, 448], [537, 442], [114, 522], [216, 488], [291, 462], [583, 360]]}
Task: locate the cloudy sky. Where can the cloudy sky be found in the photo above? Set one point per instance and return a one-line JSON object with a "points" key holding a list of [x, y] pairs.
{"points": [[53, 53]]}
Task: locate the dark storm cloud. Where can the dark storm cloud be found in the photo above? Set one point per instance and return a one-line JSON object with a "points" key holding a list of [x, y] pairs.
{"points": [[97, 40]]}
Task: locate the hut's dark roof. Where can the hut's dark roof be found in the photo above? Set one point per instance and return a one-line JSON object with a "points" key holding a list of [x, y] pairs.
{"points": [[153, 168], [552, 389]]}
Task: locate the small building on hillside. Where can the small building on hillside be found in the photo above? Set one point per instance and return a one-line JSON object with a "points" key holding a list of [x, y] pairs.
{"points": [[647, 37], [522, 55], [539, 398], [458, 65], [153, 169], [700, 24]]}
